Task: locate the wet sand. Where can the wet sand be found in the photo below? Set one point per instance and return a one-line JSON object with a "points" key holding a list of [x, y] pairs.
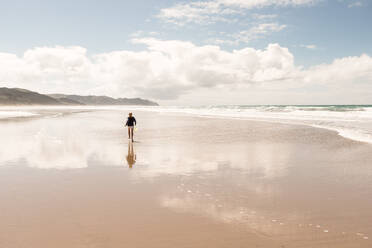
{"points": [[73, 180]]}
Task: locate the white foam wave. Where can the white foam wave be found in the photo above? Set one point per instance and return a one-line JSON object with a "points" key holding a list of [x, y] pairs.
{"points": [[352, 122], [13, 114]]}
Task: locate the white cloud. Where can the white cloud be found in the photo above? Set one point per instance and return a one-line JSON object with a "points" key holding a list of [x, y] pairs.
{"points": [[264, 28], [57, 67], [137, 33], [355, 4], [351, 71], [169, 69], [261, 29], [211, 11], [264, 17], [141, 33], [256, 32], [310, 46]]}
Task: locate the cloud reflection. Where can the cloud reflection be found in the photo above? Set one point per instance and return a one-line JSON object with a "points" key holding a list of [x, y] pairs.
{"points": [[97, 138]]}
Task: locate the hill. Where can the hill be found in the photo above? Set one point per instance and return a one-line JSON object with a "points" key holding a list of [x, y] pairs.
{"points": [[104, 100], [17, 96]]}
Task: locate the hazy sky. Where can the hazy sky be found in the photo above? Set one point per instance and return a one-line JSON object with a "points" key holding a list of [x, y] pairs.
{"points": [[191, 52]]}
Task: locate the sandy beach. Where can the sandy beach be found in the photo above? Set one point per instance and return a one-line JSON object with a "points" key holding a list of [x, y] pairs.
{"points": [[72, 179]]}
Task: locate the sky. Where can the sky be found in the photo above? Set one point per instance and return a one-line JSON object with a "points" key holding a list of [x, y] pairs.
{"points": [[191, 52]]}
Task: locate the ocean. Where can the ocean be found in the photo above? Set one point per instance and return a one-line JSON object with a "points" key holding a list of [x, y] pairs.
{"points": [[350, 121]]}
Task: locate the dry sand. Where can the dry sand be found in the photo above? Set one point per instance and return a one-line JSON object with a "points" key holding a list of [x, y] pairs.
{"points": [[65, 182]]}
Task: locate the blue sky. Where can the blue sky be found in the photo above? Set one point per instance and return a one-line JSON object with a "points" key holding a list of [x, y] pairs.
{"points": [[315, 32], [336, 29]]}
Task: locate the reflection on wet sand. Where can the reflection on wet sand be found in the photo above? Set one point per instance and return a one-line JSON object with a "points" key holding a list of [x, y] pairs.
{"points": [[298, 186], [131, 156]]}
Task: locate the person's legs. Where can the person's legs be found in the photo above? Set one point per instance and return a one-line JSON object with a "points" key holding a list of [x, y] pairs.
{"points": [[131, 131], [128, 132]]}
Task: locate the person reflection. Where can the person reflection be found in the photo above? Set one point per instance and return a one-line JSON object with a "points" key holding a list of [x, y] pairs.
{"points": [[131, 157]]}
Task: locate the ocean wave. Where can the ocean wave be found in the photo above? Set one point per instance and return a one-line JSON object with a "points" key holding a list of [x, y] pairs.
{"points": [[350, 121], [291, 108], [14, 114]]}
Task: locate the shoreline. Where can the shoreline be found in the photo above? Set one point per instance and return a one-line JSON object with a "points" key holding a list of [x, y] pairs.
{"points": [[71, 110]]}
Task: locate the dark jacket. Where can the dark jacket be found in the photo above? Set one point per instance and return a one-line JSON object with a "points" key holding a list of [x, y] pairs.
{"points": [[131, 122]]}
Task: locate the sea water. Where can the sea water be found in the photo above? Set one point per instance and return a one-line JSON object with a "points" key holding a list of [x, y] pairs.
{"points": [[350, 121]]}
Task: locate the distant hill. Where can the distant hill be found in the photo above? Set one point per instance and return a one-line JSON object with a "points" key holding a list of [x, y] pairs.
{"points": [[16, 96], [104, 100]]}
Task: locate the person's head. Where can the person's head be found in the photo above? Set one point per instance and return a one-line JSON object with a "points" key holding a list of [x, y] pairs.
{"points": [[130, 114]]}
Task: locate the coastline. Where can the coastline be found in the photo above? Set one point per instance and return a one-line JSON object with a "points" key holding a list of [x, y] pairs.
{"points": [[354, 127]]}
